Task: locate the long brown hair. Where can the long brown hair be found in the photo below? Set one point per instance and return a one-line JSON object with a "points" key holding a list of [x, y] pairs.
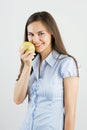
{"points": [[49, 22]]}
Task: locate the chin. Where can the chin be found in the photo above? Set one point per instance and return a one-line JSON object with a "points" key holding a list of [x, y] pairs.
{"points": [[39, 50]]}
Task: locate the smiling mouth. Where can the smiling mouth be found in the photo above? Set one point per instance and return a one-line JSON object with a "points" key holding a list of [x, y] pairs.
{"points": [[37, 46]]}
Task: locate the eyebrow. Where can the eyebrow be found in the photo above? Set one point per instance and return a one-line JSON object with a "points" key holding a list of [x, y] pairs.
{"points": [[38, 31]]}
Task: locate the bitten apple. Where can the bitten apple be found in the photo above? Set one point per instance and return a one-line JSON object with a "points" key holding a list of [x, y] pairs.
{"points": [[29, 44]]}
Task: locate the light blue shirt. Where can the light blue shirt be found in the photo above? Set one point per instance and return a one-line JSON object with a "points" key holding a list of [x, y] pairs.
{"points": [[46, 92]]}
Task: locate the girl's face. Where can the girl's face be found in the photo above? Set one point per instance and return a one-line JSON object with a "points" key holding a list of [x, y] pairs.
{"points": [[40, 37]]}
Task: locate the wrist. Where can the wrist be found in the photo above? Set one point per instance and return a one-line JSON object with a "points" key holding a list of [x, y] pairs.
{"points": [[27, 67]]}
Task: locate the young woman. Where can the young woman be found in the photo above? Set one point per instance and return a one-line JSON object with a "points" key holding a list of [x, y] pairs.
{"points": [[49, 78]]}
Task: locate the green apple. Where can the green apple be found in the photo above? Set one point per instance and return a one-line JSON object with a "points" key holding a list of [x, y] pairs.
{"points": [[29, 44]]}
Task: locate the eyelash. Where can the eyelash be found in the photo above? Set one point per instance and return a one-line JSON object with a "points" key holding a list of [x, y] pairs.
{"points": [[39, 34], [30, 34]]}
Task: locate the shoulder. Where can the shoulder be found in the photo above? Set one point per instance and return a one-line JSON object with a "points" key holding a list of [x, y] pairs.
{"points": [[66, 60], [68, 66]]}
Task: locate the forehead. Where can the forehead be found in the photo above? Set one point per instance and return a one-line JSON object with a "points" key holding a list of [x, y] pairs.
{"points": [[36, 26]]}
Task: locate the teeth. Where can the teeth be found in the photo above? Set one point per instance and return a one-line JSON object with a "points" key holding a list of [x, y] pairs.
{"points": [[38, 45]]}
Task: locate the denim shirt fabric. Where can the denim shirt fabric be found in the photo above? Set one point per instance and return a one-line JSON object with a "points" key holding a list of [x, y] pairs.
{"points": [[46, 93]]}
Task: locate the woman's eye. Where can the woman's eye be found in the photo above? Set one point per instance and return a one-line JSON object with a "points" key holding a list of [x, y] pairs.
{"points": [[30, 34], [41, 33]]}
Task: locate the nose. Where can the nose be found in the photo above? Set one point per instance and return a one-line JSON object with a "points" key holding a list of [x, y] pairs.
{"points": [[36, 39]]}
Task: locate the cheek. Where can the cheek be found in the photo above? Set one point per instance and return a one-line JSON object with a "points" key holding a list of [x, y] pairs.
{"points": [[47, 39], [29, 39]]}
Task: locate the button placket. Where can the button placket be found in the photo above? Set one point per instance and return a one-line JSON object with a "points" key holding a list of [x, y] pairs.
{"points": [[35, 95]]}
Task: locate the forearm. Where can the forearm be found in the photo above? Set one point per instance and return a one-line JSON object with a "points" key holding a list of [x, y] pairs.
{"points": [[21, 86], [69, 121]]}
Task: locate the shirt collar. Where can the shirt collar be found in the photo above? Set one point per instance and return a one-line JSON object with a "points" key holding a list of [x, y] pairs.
{"points": [[52, 57]]}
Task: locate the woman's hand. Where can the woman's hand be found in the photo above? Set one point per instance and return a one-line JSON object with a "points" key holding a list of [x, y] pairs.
{"points": [[21, 86], [27, 56]]}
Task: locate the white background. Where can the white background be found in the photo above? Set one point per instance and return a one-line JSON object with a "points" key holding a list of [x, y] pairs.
{"points": [[71, 18]]}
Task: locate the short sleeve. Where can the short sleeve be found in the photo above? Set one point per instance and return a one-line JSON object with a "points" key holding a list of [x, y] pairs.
{"points": [[68, 68]]}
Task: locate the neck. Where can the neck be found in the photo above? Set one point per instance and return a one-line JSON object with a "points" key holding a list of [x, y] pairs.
{"points": [[45, 54]]}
